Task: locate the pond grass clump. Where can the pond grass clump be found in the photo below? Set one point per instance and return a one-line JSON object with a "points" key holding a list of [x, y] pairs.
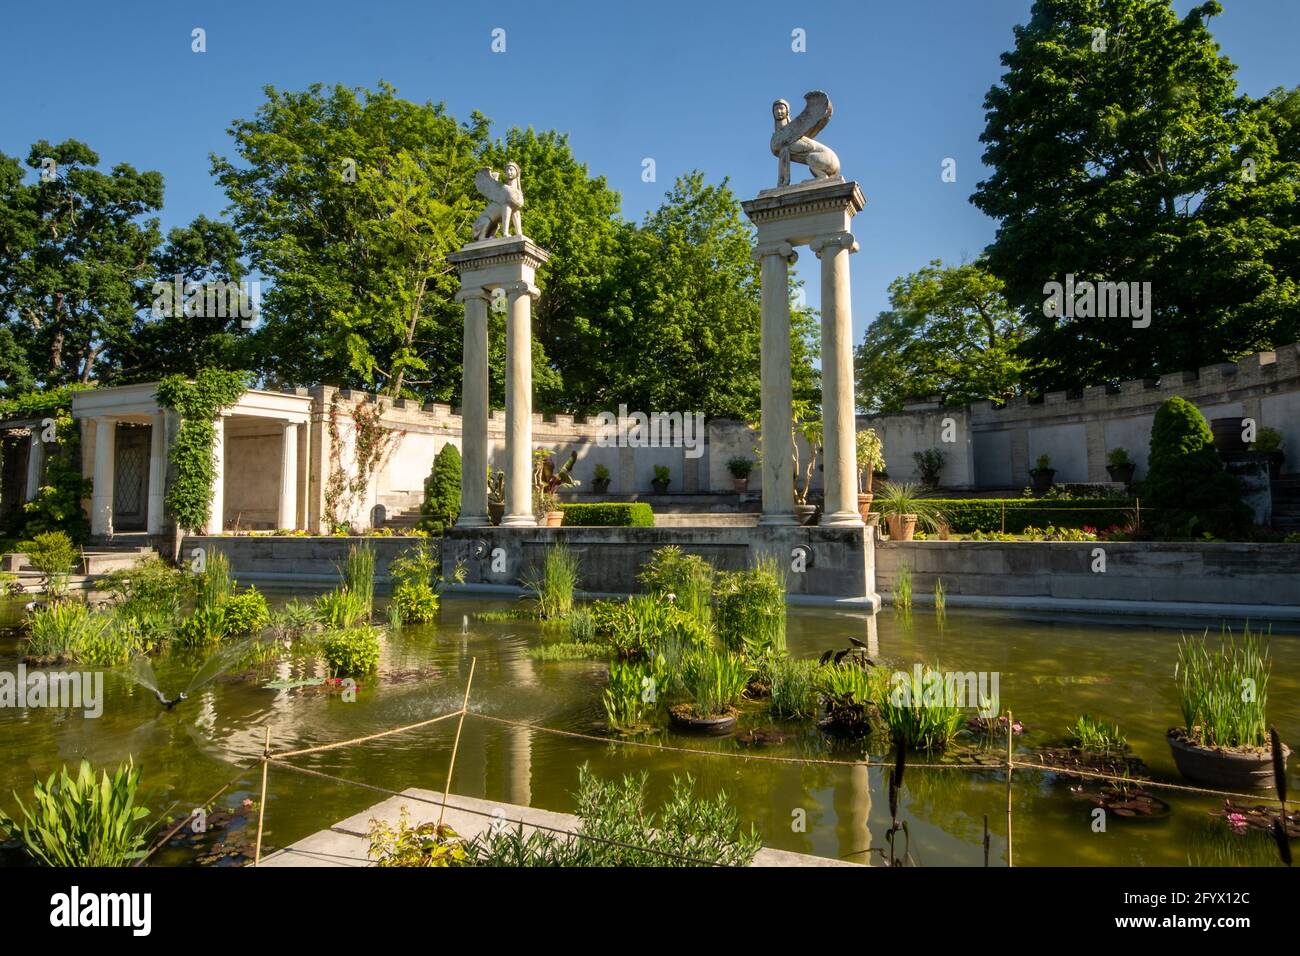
{"points": [[1223, 695], [555, 583], [794, 688], [750, 609], [685, 579], [715, 681], [920, 711], [1091, 735]]}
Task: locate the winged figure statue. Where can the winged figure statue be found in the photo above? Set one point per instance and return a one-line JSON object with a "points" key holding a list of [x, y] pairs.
{"points": [[793, 139], [505, 199]]}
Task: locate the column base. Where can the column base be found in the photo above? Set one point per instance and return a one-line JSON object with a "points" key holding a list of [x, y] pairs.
{"points": [[472, 521], [842, 519], [519, 521], [780, 520]]}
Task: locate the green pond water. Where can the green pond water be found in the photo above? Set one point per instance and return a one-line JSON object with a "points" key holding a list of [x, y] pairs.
{"points": [[1050, 670]]}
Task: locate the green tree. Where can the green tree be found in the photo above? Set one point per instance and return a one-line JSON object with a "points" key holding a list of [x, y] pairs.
{"points": [[1186, 491], [441, 504], [76, 247], [949, 332], [1122, 152]]}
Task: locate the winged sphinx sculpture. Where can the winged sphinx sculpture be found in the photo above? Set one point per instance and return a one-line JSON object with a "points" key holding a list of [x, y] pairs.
{"points": [[793, 139], [505, 199]]}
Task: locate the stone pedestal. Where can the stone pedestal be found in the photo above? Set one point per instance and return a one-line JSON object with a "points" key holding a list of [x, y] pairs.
{"points": [[509, 264], [817, 214]]}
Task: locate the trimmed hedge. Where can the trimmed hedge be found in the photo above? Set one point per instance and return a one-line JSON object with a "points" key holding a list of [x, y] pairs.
{"points": [[965, 515], [636, 514]]}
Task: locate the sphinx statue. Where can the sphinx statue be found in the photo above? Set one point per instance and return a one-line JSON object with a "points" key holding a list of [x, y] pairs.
{"points": [[793, 139], [505, 200]]}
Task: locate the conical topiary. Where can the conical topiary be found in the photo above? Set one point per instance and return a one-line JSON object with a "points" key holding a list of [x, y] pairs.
{"points": [[1187, 492], [441, 504]]}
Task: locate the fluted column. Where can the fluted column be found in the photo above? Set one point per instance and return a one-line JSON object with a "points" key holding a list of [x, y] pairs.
{"points": [[840, 474], [777, 394], [101, 490], [474, 411], [519, 406], [288, 517]]}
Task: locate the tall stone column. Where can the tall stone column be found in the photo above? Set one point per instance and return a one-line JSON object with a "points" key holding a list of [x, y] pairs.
{"points": [[101, 491], [157, 473], [35, 463], [777, 395], [519, 406], [474, 411], [288, 516], [217, 514], [840, 476]]}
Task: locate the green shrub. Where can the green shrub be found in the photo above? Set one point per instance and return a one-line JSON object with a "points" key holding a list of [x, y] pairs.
{"points": [[353, 651], [749, 610], [688, 578], [794, 687], [610, 514], [1186, 487], [967, 515], [416, 602], [80, 821], [441, 505], [207, 625], [150, 586], [246, 613], [54, 555]]}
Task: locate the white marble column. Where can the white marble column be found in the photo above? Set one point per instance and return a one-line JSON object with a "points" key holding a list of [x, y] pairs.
{"points": [[101, 492], [777, 395], [217, 511], [474, 411], [288, 517], [840, 473], [157, 472], [519, 406], [35, 463]]}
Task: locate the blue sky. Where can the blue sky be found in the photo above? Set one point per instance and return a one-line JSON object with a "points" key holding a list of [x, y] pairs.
{"points": [[688, 84]]}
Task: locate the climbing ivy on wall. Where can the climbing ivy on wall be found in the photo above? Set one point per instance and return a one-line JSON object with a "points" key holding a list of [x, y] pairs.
{"points": [[198, 402], [57, 505], [372, 443]]}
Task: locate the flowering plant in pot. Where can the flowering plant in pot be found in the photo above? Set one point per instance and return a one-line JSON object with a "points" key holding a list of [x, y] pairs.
{"points": [[1119, 466], [740, 468], [600, 480], [1042, 474], [1223, 740], [546, 480], [660, 481], [905, 507], [871, 459]]}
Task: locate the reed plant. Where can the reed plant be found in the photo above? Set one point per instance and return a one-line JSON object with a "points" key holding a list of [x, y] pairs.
{"points": [[750, 609], [555, 583], [794, 688], [215, 583], [1223, 695], [903, 588], [686, 579], [921, 715], [358, 574], [341, 609], [715, 680]]}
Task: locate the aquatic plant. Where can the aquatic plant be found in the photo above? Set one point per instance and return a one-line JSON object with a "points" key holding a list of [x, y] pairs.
{"points": [[569, 651], [645, 624], [414, 602], [750, 609], [920, 713], [1095, 736], [715, 680], [794, 687], [851, 691], [207, 625], [632, 693], [1223, 695], [940, 597], [81, 821], [617, 829], [64, 630], [294, 619], [903, 588], [554, 585], [582, 626], [353, 651], [246, 612], [150, 586], [358, 575], [215, 583], [341, 608], [686, 578]]}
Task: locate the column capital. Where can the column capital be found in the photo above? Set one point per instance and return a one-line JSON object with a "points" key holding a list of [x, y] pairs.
{"points": [[783, 249], [515, 289], [473, 292], [834, 242]]}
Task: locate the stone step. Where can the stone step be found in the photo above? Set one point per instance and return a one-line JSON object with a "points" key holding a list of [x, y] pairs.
{"points": [[102, 561], [706, 519]]}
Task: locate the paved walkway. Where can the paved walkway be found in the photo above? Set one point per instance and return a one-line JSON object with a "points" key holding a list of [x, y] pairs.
{"points": [[346, 843]]}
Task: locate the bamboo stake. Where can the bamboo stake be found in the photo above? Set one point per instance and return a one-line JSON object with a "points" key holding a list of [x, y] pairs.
{"points": [[261, 806], [1010, 737], [464, 704]]}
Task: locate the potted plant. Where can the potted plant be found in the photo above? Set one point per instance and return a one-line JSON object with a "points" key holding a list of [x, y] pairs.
{"points": [[1119, 466], [929, 465], [871, 459], [546, 480], [716, 681], [1042, 474], [660, 481], [496, 491], [740, 469], [810, 429], [1223, 740], [1268, 442], [903, 507], [600, 480]]}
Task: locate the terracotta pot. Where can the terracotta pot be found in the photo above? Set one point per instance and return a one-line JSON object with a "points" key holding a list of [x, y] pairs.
{"points": [[901, 527], [864, 505], [1250, 769], [496, 510], [554, 519], [717, 725], [740, 484]]}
